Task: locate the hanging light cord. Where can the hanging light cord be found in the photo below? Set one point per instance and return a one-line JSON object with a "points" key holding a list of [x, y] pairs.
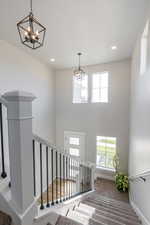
{"points": [[31, 6]]}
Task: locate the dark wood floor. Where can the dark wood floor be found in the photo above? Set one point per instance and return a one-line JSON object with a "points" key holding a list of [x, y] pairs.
{"points": [[107, 188]]}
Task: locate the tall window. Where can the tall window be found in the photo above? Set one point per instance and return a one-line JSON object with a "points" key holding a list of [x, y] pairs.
{"points": [[100, 87], [80, 90], [144, 49], [106, 150]]}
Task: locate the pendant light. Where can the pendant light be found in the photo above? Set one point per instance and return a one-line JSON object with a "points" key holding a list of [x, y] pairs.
{"points": [[31, 32], [79, 73]]}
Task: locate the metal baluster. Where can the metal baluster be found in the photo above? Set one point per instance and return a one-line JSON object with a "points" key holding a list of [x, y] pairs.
{"points": [[66, 177], [3, 174], [47, 172], [52, 171], [85, 179], [72, 177], [34, 175], [56, 177], [88, 178], [41, 176], [69, 178], [60, 178], [64, 182]]}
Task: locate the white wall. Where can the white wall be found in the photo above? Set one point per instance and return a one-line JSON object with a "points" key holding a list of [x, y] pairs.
{"points": [[102, 119], [139, 157], [20, 71]]}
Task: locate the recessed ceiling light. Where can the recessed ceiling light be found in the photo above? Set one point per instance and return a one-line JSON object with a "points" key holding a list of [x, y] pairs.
{"points": [[52, 60], [114, 47]]}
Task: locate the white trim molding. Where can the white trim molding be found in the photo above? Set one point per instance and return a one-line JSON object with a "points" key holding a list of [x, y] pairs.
{"points": [[139, 213]]}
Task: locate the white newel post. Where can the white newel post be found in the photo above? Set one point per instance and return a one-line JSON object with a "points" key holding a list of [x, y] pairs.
{"points": [[20, 148]]}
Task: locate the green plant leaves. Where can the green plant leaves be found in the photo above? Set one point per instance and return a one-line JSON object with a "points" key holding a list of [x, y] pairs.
{"points": [[122, 182]]}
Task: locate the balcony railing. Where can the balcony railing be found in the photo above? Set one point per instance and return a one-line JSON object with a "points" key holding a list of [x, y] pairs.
{"points": [[3, 166], [60, 177]]}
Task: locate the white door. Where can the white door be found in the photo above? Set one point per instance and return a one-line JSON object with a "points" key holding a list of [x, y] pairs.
{"points": [[74, 143]]}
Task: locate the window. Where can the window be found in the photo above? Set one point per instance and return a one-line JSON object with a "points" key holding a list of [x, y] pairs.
{"points": [[80, 90], [106, 150], [144, 48], [74, 141], [74, 152], [74, 145], [100, 87]]}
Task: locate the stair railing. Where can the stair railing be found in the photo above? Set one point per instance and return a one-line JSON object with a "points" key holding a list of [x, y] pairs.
{"points": [[3, 104], [142, 176], [60, 177]]}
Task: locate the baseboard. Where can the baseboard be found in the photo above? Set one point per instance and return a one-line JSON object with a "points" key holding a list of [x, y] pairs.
{"points": [[107, 177], [139, 213]]}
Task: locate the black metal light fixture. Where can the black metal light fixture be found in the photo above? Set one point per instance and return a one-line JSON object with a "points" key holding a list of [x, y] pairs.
{"points": [[79, 73], [32, 33]]}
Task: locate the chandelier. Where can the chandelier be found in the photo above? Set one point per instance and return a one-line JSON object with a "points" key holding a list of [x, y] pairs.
{"points": [[79, 73], [31, 32]]}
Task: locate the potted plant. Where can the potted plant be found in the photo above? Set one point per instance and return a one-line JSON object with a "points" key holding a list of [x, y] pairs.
{"points": [[121, 179], [122, 183]]}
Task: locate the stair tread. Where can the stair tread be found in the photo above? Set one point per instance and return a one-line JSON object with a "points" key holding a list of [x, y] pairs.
{"points": [[112, 206], [117, 203], [97, 207], [102, 214], [101, 218], [84, 219], [102, 197], [63, 220]]}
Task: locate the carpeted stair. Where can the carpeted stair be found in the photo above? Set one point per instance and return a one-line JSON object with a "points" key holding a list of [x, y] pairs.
{"points": [[98, 210]]}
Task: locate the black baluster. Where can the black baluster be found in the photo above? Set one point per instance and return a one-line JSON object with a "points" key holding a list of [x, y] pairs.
{"points": [[34, 175], [47, 172], [3, 174], [71, 177], [64, 182], [81, 184], [85, 178], [56, 177], [60, 177], [52, 171], [67, 178], [41, 176]]}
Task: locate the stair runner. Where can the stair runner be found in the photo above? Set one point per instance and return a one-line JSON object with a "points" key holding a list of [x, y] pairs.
{"points": [[99, 210]]}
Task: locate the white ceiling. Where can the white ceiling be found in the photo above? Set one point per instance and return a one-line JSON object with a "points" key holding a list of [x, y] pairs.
{"points": [[89, 26]]}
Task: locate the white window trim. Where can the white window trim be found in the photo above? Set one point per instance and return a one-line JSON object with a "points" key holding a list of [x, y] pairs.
{"points": [[86, 102], [91, 88], [101, 168]]}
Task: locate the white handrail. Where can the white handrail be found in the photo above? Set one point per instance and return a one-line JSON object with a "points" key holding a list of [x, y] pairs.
{"points": [[142, 175], [60, 150], [3, 101]]}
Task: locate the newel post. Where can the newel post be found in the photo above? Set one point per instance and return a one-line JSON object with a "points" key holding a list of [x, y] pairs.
{"points": [[20, 148]]}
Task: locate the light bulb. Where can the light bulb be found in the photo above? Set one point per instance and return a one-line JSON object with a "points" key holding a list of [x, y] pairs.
{"points": [[33, 37], [26, 33], [29, 29], [37, 33]]}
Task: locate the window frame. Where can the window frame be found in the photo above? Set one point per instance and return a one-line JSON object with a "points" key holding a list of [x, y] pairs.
{"points": [[102, 167], [100, 88], [86, 102], [144, 48]]}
